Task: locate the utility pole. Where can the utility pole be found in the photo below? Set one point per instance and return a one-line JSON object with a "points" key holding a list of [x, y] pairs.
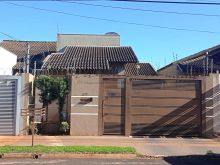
{"points": [[35, 67], [207, 65], [212, 66], [28, 59]]}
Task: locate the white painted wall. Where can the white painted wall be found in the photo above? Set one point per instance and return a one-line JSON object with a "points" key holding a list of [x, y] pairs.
{"points": [[7, 61]]}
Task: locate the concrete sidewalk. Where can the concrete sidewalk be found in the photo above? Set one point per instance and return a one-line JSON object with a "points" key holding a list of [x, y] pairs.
{"points": [[147, 146]]}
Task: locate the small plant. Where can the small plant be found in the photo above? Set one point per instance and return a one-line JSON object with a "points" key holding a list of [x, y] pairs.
{"points": [[64, 126]]}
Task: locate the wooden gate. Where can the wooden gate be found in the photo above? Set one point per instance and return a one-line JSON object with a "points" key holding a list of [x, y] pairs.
{"points": [[151, 106], [165, 107], [113, 106]]}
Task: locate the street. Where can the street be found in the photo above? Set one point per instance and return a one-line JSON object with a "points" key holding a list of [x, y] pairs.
{"points": [[166, 161]]}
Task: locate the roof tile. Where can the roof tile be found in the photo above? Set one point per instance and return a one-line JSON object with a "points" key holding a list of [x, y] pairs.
{"points": [[144, 69], [19, 48], [90, 58]]}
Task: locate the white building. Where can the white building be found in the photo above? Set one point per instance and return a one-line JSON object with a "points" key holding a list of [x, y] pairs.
{"points": [[8, 60]]}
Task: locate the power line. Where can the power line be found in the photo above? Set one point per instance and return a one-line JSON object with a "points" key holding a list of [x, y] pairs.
{"points": [[138, 9], [114, 20], [7, 35], [173, 2]]}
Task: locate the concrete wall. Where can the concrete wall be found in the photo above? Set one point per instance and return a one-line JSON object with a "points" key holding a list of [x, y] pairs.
{"points": [[8, 61], [84, 105], [53, 114], [52, 124], [211, 106], [86, 40], [168, 71], [26, 94]]}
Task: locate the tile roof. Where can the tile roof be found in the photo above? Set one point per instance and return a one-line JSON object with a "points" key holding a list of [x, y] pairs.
{"points": [[198, 65], [90, 58], [144, 69], [195, 56], [19, 48]]}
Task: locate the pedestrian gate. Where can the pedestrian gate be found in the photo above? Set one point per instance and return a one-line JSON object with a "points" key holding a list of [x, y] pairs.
{"points": [[8, 105]]}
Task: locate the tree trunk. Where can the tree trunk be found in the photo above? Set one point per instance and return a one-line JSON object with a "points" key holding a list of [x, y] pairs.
{"points": [[46, 112]]}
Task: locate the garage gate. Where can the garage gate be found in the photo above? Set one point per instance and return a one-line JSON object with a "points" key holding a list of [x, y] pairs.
{"points": [[152, 107], [8, 105]]}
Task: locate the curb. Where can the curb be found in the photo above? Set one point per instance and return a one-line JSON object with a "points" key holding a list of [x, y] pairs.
{"points": [[67, 156], [153, 156]]}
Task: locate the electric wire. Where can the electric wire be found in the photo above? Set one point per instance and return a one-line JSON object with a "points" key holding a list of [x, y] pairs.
{"points": [[138, 9], [113, 20]]}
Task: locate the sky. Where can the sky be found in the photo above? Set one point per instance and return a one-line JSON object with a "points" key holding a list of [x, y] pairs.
{"points": [[158, 46]]}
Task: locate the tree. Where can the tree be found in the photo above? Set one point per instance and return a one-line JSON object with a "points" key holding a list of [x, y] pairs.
{"points": [[62, 92], [47, 86], [52, 88]]}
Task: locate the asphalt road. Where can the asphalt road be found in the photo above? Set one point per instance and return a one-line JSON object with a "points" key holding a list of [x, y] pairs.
{"points": [[169, 161]]}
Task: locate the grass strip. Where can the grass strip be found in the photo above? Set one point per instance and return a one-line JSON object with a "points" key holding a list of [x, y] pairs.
{"points": [[68, 149]]}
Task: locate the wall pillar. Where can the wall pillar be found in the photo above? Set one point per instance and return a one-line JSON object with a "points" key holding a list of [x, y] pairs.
{"points": [[211, 106], [84, 105], [127, 107]]}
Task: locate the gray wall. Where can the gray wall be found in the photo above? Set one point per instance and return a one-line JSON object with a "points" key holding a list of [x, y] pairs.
{"points": [[84, 115], [86, 40], [169, 70]]}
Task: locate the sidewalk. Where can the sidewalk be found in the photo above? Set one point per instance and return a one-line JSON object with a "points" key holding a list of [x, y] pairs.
{"points": [[145, 146]]}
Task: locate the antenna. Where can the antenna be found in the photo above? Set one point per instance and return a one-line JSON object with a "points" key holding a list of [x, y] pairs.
{"points": [[158, 65], [173, 57], [58, 30]]}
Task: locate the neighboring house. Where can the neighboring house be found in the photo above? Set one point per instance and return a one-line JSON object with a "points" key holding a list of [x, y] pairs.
{"points": [[90, 60], [15, 53], [201, 63], [108, 39]]}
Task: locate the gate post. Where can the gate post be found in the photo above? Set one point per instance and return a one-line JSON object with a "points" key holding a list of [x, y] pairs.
{"points": [[100, 108], [127, 107]]}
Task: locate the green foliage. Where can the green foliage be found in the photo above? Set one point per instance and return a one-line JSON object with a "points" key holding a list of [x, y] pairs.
{"points": [[62, 91], [47, 86], [52, 88], [68, 149], [64, 126]]}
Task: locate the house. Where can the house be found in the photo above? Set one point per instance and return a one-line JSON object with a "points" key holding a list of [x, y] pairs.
{"points": [[93, 54], [84, 58], [201, 63], [15, 53]]}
